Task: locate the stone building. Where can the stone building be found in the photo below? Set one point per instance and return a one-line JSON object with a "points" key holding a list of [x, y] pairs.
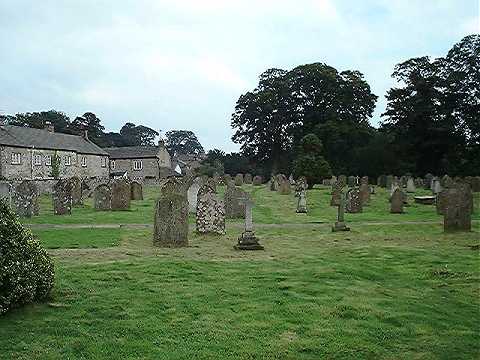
{"points": [[141, 163], [28, 154]]}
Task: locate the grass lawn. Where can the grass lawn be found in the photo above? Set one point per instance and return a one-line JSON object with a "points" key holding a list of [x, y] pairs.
{"points": [[396, 291], [78, 238]]}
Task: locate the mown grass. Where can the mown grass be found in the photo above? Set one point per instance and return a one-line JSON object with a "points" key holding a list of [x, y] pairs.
{"points": [[392, 291], [78, 238]]}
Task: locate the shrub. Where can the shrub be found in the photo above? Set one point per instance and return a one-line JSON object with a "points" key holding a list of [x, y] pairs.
{"points": [[26, 270]]}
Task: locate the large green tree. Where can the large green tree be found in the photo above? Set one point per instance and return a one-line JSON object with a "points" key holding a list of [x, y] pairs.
{"points": [[313, 98], [310, 162], [138, 135], [38, 120], [433, 116], [182, 142], [92, 124]]}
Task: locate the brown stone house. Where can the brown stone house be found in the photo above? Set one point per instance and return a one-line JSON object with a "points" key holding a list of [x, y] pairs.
{"points": [[27, 153], [141, 163]]}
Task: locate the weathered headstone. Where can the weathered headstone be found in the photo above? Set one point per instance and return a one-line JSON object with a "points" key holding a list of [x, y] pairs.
{"points": [[248, 240], [458, 211], [302, 202], [192, 195], [388, 182], [121, 195], [234, 209], [364, 193], [340, 223], [136, 191], [25, 199], [257, 180], [76, 185], [342, 179], [351, 181], [382, 181], [364, 180], [247, 179], [476, 184], [428, 181], [273, 184], [210, 212], [354, 203], [411, 185], [396, 201], [102, 197], [436, 187], [284, 188], [239, 180], [62, 197], [446, 182], [227, 178], [171, 215]]}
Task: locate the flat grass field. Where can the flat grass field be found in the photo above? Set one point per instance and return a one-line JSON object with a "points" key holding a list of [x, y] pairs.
{"points": [[394, 287]]}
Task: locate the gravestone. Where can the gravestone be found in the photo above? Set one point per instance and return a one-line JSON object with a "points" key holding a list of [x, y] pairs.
{"points": [[419, 182], [234, 209], [301, 185], [351, 181], [388, 182], [102, 198], [121, 195], [436, 187], [62, 197], [136, 191], [340, 223], [342, 179], [353, 203], [192, 195], [247, 179], [333, 180], [337, 190], [248, 240], [396, 201], [284, 188], [273, 184], [411, 186], [257, 180], [25, 199], [447, 182], [364, 193], [364, 180], [458, 210], [77, 198], [171, 214], [382, 181], [227, 178], [239, 180], [440, 202], [210, 216], [427, 185], [302, 202], [6, 192]]}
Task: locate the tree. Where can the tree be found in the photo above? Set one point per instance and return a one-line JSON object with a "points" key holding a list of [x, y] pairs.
{"points": [[309, 162], [182, 142], [140, 135], [91, 123], [315, 98], [213, 164], [56, 161], [38, 120], [433, 118]]}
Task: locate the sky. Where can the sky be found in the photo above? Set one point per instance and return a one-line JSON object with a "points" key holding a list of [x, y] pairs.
{"points": [[182, 64]]}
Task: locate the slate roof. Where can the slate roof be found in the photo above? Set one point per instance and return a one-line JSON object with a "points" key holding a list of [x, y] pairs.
{"points": [[43, 139], [132, 152]]}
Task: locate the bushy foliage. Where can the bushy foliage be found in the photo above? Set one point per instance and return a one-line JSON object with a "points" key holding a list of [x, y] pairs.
{"points": [[310, 162], [26, 270]]}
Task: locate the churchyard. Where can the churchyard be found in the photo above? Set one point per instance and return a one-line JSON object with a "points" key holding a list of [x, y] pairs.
{"points": [[394, 286]]}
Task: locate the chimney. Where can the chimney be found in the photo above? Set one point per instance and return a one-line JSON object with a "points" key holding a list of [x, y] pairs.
{"points": [[49, 127], [85, 134]]}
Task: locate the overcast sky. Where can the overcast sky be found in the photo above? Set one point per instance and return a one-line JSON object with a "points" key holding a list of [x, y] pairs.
{"points": [[182, 64]]}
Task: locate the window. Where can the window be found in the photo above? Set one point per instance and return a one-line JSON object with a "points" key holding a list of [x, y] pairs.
{"points": [[68, 160], [37, 159], [16, 158], [112, 164], [104, 162], [48, 160], [84, 161], [137, 165]]}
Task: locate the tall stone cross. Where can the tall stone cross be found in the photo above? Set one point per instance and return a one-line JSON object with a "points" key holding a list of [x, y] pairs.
{"points": [[248, 240], [340, 223]]}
